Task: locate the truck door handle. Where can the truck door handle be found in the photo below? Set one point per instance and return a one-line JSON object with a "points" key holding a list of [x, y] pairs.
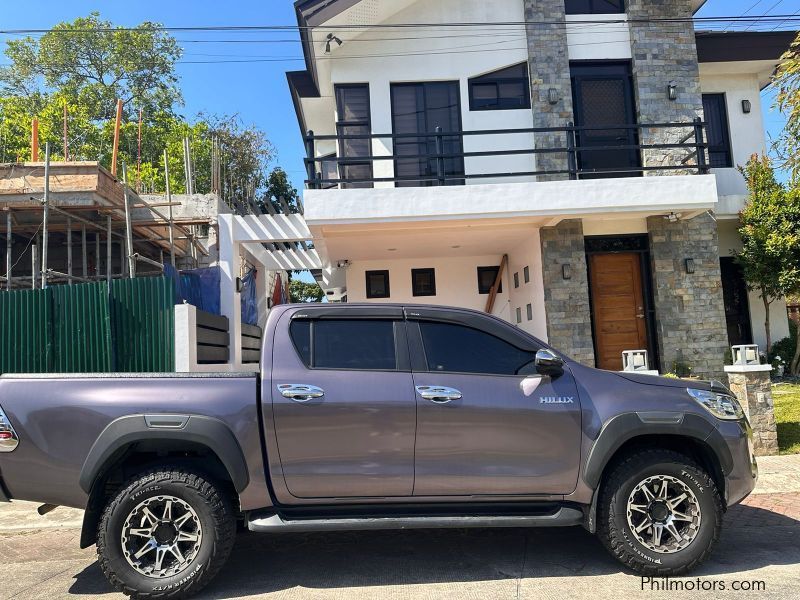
{"points": [[438, 394], [300, 392]]}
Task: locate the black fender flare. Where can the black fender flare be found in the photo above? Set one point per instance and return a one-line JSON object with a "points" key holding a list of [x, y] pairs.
{"points": [[124, 431], [626, 426]]}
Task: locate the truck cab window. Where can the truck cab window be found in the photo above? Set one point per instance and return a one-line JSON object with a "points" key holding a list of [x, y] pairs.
{"points": [[346, 344], [459, 349]]}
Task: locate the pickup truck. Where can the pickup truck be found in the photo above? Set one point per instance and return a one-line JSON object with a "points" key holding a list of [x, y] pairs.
{"points": [[375, 417]]}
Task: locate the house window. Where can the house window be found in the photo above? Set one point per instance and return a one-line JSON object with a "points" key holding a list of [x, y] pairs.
{"points": [[377, 284], [529, 312], [717, 131], [486, 278], [516, 280], [527, 274], [506, 89], [353, 119], [423, 282], [417, 110], [519, 315], [594, 7], [330, 171]]}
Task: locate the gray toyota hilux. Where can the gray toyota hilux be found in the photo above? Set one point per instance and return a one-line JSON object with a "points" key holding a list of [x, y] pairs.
{"points": [[375, 417]]}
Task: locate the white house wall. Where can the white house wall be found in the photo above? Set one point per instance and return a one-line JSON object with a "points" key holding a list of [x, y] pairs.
{"points": [[746, 130], [729, 242]]}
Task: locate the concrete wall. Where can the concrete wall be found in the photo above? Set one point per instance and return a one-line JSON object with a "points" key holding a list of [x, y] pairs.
{"points": [[456, 282], [528, 254]]}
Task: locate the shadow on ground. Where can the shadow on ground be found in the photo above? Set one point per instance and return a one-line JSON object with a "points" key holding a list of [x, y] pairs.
{"points": [[261, 564]]}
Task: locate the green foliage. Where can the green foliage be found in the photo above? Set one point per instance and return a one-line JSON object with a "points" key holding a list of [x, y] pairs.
{"points": [[279, 186], [784, 348], [681, 369], [88, 64], [300, 291], [787, 80], [770, 232]]}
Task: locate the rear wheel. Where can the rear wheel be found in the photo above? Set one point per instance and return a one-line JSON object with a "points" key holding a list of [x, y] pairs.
{"points": [[659, 513], [165, 534]]}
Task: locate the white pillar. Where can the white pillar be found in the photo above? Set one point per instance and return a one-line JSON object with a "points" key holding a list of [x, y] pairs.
{"points": [[185, 338], [230, 301]]}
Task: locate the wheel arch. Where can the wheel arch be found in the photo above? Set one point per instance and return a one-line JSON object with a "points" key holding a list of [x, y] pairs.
{"points": [[136, 442], [687, 433]]}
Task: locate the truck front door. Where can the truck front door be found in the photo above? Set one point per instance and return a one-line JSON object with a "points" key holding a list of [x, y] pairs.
{"points": [[487, 422], [343, 403]]}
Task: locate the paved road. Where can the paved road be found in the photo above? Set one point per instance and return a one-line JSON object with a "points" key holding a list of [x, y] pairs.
{"points": [[760, 546]]}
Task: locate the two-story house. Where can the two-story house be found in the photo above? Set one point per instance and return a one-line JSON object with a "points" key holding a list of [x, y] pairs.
{"points": [[567, 165]]}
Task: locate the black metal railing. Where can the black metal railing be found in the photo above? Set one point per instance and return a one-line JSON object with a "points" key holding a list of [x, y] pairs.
{"points": [[568, 157]]}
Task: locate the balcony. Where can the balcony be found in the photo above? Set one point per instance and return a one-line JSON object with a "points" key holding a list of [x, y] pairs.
{"points": [[452, 158]]}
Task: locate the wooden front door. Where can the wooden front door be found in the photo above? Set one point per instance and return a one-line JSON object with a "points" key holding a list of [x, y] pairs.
{"points": [[618, 309]]}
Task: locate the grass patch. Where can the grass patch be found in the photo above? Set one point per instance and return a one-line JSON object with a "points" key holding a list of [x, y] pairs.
{"points": [[787, 414]]}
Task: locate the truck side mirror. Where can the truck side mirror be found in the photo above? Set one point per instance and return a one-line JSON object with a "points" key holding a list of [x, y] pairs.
{"points": [[547, 363]]}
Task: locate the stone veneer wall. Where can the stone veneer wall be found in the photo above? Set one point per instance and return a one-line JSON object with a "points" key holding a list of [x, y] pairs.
{"points": [[569, 327], [548, 56], [662, 53], [690, 313], [754, 391]]}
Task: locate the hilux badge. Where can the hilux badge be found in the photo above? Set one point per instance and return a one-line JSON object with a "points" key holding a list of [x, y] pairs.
{"points": [[556, 400]]}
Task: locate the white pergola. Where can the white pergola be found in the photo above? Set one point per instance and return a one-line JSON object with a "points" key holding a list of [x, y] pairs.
{"points": [[272, 243]]}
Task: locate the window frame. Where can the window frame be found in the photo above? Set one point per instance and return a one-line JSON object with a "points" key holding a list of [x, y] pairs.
{"points": [[726, 147], [385, 273], [496, 270], [428, 270], [401, 358], [341, 123], [487, 79], [593, 10]]}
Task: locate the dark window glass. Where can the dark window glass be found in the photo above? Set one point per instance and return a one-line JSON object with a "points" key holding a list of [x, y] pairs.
{"points": [[377, 284], [519, 315], [423, 282], [349, 344], [594, 7], [527, 273], [717, 131], [353, 119], [506, 89], [418, 109], [529, 312], [300, 332], [460, 349], [516, 280], [486, 279]]}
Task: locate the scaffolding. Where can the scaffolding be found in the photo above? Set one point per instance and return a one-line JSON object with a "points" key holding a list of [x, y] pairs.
{"points": [[55, 210]]}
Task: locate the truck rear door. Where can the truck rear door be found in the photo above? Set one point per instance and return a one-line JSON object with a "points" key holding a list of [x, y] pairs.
{"points": [[343, 403]]}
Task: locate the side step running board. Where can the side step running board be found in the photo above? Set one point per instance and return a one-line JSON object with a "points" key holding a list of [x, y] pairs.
{"points": [[564, 516]]}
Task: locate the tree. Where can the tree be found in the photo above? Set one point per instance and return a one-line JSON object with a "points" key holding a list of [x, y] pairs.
{"points": [[300, 291], [279, 187], [787, 80], [96, 63], [770, 232]]}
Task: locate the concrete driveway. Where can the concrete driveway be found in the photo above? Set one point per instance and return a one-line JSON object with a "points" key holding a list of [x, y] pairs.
{"points": [[759, 550]]}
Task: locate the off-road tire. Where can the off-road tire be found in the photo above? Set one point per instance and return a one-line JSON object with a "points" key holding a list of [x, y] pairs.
{"points": [[212, 506], [612, 522]]}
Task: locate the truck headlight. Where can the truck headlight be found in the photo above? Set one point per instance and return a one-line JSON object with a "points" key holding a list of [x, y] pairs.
{"points": [[722, 406]]}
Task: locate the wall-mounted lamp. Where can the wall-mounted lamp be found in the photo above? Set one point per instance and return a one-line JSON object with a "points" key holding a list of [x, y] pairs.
{"points": [[689, 264], [331, 40], [343, 264], [672, 91], [552, 96], [566, 271], [239, 285], [747, 106]]}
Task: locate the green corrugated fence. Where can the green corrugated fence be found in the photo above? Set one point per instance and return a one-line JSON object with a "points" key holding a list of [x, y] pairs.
{"points": [[84, 329]]}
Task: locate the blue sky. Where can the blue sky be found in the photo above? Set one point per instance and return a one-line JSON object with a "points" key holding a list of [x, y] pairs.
{"points": [[256, 91]]}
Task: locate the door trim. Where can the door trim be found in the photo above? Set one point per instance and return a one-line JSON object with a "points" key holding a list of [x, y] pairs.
{"points": [[636, 243]]}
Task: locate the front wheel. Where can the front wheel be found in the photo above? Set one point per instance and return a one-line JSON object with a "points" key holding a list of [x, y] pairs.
{"points": [[659, 513], [165, 534]]}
